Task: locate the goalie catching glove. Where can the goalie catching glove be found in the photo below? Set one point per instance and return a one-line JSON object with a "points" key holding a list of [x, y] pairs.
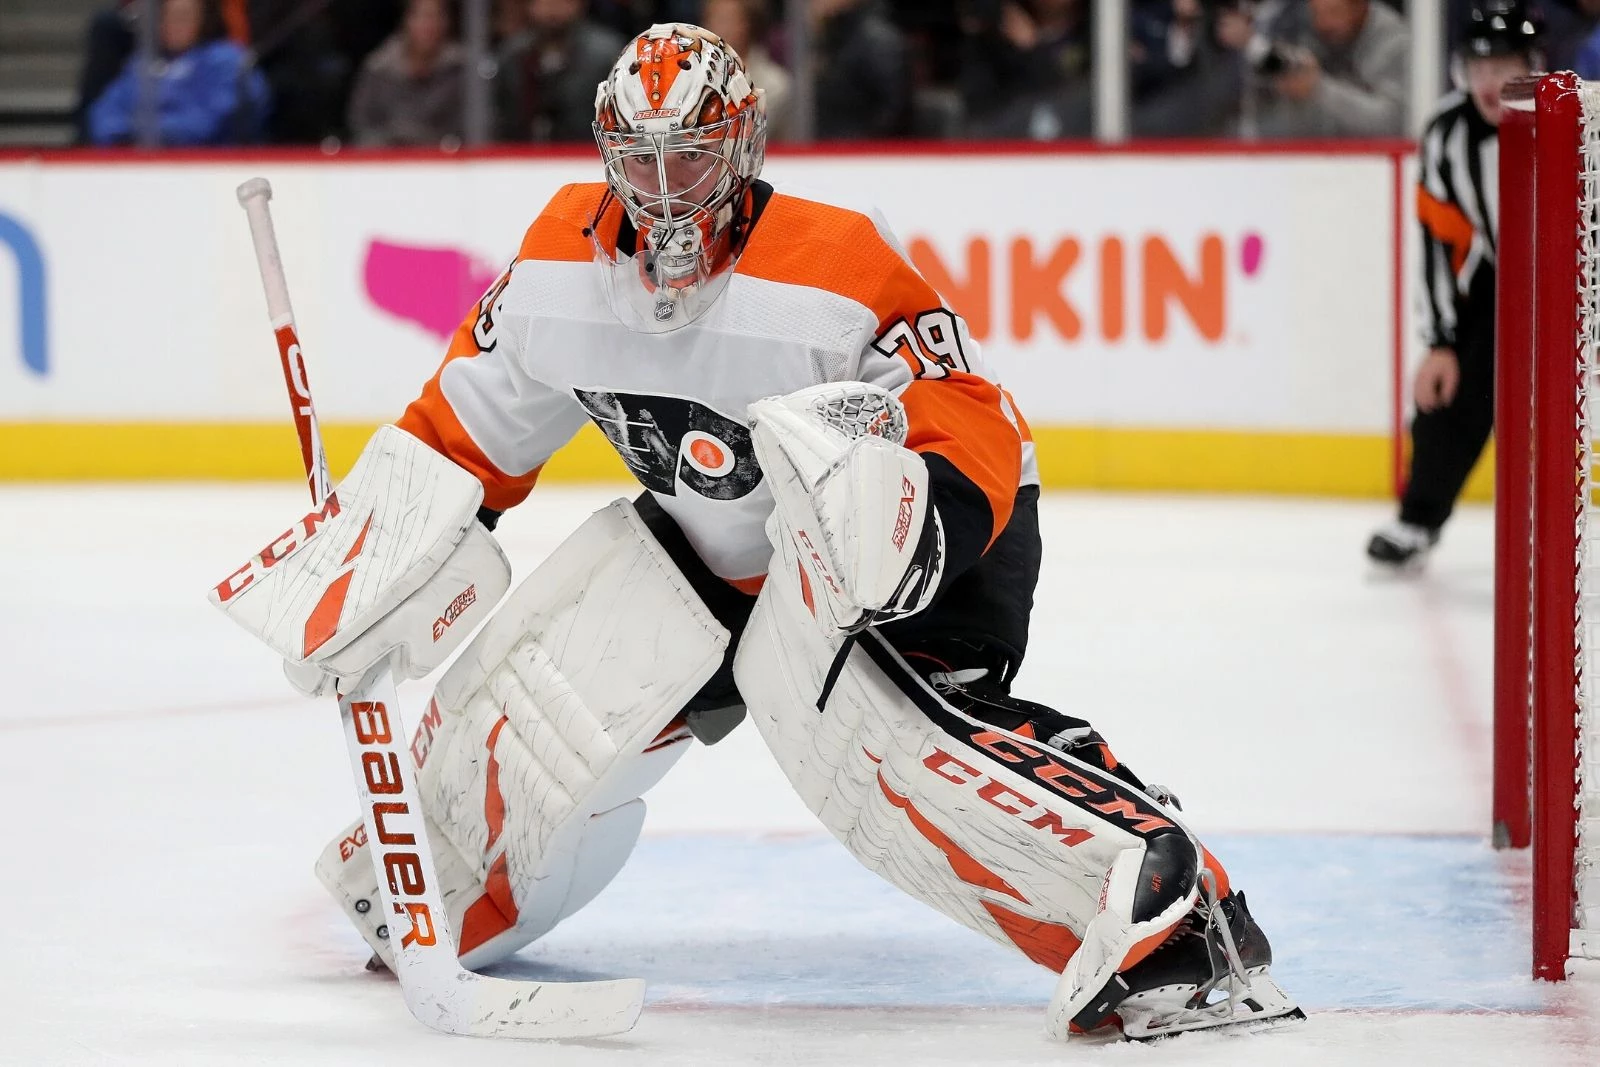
{"points": [[852, 513], [393, 566]]}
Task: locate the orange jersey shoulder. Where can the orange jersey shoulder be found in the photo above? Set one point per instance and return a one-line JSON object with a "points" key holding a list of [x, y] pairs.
{"points": [[559, 231], [953, 409], [800, 241]]}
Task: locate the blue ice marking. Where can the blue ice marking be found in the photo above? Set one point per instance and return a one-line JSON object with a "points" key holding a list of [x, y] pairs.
{"points": [[1360, 923]]}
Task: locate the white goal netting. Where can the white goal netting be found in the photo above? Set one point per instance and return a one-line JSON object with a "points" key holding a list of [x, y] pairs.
{"points": [[1586, 866]]}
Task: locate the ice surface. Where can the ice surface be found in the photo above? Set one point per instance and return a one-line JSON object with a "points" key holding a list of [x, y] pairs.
{"points": [[1326, 730]]}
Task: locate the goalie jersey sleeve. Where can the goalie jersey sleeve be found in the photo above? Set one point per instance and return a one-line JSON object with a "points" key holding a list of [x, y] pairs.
{"points": [[961, 421], [482, 409]]}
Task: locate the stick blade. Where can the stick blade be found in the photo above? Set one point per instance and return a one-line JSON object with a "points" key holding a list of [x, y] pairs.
{"points": [[476, 1005]]}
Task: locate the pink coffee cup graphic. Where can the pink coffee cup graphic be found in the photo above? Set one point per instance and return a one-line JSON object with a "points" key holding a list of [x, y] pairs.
{"points": [[431, 287]]}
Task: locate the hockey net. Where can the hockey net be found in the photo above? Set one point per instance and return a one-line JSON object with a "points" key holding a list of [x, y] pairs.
{"points": [[1547, 535]]}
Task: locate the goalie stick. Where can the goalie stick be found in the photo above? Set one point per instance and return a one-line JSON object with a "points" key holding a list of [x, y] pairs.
{"points": [[437, 989]]}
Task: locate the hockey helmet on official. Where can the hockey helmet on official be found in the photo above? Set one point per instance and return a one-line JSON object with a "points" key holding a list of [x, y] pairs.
{"points": [[683, 135], [1501, 42], [1500, 28]]}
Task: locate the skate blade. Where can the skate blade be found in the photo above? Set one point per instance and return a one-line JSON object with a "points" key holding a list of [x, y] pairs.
{"points": [[1235, 1024], [1264, 1006]]}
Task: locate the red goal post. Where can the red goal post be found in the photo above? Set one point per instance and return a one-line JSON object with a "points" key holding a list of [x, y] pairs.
{"points": [[1547, 551]]}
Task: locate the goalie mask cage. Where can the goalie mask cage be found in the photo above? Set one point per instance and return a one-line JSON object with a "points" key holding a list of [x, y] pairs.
{"points": [[1547, 560]]}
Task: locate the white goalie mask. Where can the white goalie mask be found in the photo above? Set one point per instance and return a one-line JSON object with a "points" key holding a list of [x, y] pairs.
{"points": [[683, 135]]}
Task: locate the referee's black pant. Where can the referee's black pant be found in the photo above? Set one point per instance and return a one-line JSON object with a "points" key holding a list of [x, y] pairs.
{"points": [[1447, 441]]}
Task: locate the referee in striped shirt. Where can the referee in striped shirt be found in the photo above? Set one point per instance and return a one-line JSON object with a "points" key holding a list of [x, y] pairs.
{"points": [[1457, 207]]}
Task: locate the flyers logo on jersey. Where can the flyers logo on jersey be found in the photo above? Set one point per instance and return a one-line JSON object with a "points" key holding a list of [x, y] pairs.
{"points": [[673, 443], [1075, 287]]}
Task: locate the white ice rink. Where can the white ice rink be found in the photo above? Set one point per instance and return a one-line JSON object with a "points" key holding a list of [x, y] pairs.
{"points": [[1327, 731]]}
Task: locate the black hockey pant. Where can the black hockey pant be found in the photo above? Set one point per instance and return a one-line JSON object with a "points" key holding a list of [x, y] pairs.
{"points": [[1446, 442]]}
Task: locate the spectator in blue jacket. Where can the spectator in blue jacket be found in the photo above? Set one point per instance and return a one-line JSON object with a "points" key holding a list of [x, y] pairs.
{"points": [[206, 92], [1580, 45]]}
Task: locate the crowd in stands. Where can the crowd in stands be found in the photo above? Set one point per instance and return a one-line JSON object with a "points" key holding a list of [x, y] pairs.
{"points": [[392, 72]]}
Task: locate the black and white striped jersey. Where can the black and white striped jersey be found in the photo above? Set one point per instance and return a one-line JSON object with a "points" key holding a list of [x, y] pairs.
{"points": [[1457, 203]]}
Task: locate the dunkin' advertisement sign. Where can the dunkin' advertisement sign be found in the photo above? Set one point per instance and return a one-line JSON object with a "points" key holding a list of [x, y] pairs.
{"points": [[1164, 291], [1121, 290]]}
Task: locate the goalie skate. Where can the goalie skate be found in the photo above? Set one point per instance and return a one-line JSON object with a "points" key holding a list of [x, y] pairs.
{"points": [[1214, 972]]}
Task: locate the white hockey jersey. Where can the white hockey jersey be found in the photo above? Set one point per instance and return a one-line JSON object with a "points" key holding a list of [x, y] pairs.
{"points": [[820, 293]]}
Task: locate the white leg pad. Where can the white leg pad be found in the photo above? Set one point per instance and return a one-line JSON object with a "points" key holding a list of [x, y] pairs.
{"points": [[542, 736], [989, 828]]}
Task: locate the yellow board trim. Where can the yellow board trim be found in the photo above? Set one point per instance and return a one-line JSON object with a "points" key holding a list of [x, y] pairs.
{"points": [[1220, 461]]}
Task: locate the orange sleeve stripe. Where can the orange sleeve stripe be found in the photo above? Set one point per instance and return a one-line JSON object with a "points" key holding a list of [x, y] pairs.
{"points": [[1448, 224], [430, 419], [557, 234], [959, 418]]}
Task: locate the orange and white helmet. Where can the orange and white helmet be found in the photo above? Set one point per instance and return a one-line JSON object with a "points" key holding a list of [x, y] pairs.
{"points": [[683, 134]]}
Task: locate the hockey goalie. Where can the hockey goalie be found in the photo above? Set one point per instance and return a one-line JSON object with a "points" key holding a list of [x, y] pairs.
{"points": [[838, 538]]}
